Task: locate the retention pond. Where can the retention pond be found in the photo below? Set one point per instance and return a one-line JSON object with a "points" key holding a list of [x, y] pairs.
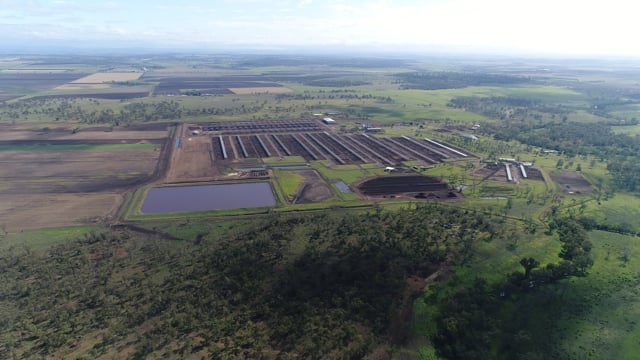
{"points": [[208, 197]]}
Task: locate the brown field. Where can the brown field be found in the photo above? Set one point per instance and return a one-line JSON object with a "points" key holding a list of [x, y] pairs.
{"points": [[37, 211], [572, 183], [313, 189], [40, 189], [260, 90], [98, 78], [192, 160], [66, 134]]}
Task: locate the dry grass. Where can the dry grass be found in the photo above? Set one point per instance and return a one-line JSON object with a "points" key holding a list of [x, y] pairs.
{"points": [[99, 78], [24, 212], [260, 90], [73, 86]]}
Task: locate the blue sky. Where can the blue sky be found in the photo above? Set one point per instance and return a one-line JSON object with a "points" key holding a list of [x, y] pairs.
{"points": [[542, 27]]}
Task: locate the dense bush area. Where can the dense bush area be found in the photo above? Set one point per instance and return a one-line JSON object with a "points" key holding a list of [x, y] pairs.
{"points": [[492, 321], [310, 287], [454, 80]]}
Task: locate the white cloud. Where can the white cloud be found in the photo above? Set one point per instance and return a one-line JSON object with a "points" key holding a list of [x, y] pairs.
{"points": [[537, 26]]}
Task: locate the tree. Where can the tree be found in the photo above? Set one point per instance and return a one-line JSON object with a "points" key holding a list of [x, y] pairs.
{"points": [[529, 264]]}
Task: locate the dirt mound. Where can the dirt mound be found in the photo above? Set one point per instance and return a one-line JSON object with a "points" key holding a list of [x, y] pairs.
{"points": [[393, 185]]}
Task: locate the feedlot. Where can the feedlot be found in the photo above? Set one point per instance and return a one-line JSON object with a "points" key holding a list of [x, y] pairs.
{"points": [[231, 142]]}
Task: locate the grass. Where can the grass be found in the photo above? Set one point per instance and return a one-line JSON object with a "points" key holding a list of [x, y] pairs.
{"points": [[607, 326], [621, 209], [284, 161], [349, 174], [190, 229], [41, 239], [289, 182], [632, 130]]}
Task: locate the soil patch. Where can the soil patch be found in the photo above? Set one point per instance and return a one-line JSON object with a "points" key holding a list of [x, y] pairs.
{"points": [[36, 211], [534, 174], [572, 183], [313, 190]]}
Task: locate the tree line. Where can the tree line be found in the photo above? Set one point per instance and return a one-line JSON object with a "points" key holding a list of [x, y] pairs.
{"points": [[454, 80]]}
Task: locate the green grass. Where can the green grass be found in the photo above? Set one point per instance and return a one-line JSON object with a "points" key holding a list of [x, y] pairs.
{"points": [[608, 325], [41, 239], [632, 130], [349, 174], [284, 161], [76, 147], [289, 182], [622, 208], [190, 229]]}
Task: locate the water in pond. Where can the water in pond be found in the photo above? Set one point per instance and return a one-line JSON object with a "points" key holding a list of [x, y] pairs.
{"points": [[208, 197]]}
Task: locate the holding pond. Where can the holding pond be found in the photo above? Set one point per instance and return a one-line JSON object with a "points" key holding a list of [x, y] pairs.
{"points": [[208, 197]]}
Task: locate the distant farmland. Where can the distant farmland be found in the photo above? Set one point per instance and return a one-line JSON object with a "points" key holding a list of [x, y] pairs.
{"points": [[99, 78], [260, 90]]}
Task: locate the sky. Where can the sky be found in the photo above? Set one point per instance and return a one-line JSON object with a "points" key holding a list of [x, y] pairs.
{"points": [[543, 27]]}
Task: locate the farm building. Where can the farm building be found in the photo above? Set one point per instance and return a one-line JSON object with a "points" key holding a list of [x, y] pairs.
{"points": [[328, 121], [509, 177], [523, 171], [508, 160]]}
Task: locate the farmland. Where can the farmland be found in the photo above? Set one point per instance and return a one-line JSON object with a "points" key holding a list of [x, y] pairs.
{"points": [[99, 78], [54, 178], [500, 158]]}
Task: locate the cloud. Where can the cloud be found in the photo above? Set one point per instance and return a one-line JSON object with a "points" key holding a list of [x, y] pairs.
{"points": [[543, 25]]}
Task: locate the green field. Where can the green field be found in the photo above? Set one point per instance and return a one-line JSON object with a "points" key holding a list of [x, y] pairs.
{"points": [[289, 182]]}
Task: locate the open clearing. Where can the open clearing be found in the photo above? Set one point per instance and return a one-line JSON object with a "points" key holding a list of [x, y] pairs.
{"points": [[103, 77], [572, 183], [313, 189], [75, 181], [37, 211]]}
